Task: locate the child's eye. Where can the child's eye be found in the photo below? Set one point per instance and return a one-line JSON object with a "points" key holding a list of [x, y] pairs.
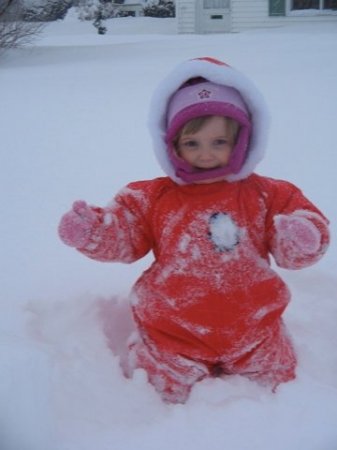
{"points": [[218, 142], [189, 144]]}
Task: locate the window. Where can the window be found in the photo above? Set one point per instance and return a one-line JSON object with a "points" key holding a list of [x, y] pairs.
{"points": [[330, 4], [305, 4], [277, 8], [313, 4], [216, 4]]}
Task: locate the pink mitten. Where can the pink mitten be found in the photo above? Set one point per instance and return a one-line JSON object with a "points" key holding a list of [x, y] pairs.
{"points": [[299, 231], [76, 226]]}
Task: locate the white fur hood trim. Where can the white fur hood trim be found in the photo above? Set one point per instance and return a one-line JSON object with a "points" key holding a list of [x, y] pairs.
{"points": [[220, 74]]}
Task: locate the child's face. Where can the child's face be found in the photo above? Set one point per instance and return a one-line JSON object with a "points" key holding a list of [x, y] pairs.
{"points": [[208, 148]]}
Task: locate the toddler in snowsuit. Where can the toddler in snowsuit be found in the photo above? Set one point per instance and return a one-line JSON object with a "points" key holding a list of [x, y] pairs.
{"points": [[210, 304]]}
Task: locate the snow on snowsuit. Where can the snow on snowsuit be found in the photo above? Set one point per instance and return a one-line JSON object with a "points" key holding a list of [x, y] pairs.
{"points": [[210, 296], [210, 303]]}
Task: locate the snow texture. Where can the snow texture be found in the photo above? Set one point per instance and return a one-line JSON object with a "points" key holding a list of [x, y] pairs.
{"points": [[223, 232], [73, 111]]}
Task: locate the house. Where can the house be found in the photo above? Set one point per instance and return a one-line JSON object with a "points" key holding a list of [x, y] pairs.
{"points": [[224, 16]]}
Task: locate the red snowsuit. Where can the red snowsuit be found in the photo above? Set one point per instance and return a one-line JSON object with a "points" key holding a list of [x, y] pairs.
{"points": [[210, 302]]}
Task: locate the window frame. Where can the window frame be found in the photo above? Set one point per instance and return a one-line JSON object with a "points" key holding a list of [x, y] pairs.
{"points": [[281, 8], [309, 11]]}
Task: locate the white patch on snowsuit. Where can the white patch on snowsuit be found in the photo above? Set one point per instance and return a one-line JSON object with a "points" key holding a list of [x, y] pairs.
{"points": [[223, 231]]}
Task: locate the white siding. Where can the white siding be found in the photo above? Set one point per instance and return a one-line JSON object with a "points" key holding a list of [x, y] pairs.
{"points": [[245, 14], [186, 16], [248, 14]]}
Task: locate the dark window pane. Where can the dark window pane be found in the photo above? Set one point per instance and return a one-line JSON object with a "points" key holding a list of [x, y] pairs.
{"points": [[305, 4], [330, 4], [277, 7]]}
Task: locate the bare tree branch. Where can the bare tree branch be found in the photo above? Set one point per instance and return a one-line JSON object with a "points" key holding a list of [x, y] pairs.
{"points": [[14, 32], [4, 5]]}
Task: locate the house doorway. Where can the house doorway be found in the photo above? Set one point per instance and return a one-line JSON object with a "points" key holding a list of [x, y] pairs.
{"points": [[214, 16]]}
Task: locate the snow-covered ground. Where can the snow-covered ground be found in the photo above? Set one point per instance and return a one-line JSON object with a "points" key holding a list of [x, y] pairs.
{"points": [[73, 126]]}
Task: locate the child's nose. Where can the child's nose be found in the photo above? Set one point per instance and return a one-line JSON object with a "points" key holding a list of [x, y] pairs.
{"points": [[205, 150]]}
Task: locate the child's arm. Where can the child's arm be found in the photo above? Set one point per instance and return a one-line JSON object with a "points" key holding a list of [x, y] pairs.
{"points": [[298, 232], [116, 233]]}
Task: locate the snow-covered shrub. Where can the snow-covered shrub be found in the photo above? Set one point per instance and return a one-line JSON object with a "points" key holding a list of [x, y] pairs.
{"points": [[161, 8], [45, 10], [86, 9], [96, 9]]}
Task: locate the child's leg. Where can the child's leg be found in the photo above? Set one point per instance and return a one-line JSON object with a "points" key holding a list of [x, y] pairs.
{"points": [[171, 375], [272, 362]]}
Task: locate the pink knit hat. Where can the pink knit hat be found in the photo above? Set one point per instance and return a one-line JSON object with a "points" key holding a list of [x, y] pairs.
{"points": [[204, 98], [240, 99]]}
